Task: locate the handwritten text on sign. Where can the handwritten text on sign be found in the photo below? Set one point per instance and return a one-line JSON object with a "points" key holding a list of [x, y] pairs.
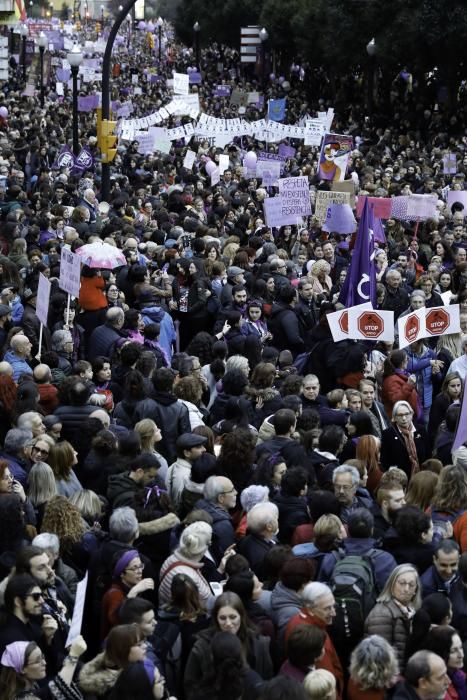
{"points": [[295, 195]]}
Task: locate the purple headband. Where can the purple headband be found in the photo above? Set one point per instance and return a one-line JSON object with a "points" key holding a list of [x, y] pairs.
{"points": [[124, 560], [14, 655]]}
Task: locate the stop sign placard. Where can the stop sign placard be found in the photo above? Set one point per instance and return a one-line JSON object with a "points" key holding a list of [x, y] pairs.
{"points": [[370, 324], [344, 322], [411, 329], [437, 321]]}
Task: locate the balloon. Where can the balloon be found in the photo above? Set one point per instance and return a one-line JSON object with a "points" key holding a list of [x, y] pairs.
{"points": [[210, 167], [286, 85], [281, 79], [150, 27], [142, 25], [3, 112], [250, 160], [272, 76]]}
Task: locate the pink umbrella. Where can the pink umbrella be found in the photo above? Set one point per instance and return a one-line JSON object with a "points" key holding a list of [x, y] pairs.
{"points": [[102, 255]]}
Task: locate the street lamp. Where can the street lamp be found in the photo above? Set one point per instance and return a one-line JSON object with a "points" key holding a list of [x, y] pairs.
{"points": [[196, 29], [264, 36], [51, 7], [75, 59], [24, 31], [159, 23], [371, 49], [42, 43], [102, 17]]}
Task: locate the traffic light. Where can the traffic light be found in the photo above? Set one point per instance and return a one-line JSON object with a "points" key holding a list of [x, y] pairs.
{"points": [[108, 140]]}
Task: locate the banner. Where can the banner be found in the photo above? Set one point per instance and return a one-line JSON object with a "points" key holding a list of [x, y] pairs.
{"points": [[382, 206], [269, 171], [181, 84], [371, 324], [83, 161], [65, 158], [334, 156]]}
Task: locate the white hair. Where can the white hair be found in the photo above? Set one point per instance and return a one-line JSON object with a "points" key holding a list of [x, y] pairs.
{"points": [[313, 592], [459, 457], [253, 495], [260, 516], [47, 540]]}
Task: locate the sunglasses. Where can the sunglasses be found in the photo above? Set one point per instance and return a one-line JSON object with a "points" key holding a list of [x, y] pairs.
{"points": [[36, 596]]}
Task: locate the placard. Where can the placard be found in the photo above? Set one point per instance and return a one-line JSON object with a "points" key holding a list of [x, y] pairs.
{"points": [[324, 199], [70, 272], [295, 194], [43, 297], [78, 609], [339, 321], [371, 324], [411, 328], [181, 84]]}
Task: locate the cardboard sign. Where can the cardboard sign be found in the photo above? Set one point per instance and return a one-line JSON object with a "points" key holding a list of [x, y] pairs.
{"points": [[441, 320], [295, 194], [181, 84], [70, 272], [411, 328], [339, 321], [43, 297], [371, 324], [189, 159], [324, 200]]}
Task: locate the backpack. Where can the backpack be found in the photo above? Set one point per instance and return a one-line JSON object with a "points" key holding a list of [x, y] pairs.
{"points": [[441, 518], [354, 587]]}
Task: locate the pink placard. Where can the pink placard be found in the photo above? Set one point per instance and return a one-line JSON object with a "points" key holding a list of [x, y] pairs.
{"points": [[381, 206]]}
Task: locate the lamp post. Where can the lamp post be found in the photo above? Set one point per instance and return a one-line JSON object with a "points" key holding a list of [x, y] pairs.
{"points": [[196, 29], [102, 17], [264, 36], [371, 49], [24, 31], [159, 23], [51, 8], [42, 43], [75, 59]]}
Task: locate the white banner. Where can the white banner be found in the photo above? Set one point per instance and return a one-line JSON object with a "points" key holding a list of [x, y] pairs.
{"points": [[181, 84], [70, 272], [43, 297]]}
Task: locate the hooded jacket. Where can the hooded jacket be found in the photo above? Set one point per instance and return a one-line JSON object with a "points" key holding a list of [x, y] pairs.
{"points": [[285, 603], [285, 328], [156, 314], [382, 562]]}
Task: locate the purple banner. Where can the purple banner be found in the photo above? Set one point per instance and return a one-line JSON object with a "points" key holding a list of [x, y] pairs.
{"points": [[286, 151], [84, 160], [87, 103], [65, 158], [195, 78], [63, 75], [222, 91]]}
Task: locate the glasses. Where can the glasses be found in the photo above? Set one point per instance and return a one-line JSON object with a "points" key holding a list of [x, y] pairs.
{"points": [[134, 569], [403, 415], [233, 490], [344, 487], [8, 477], [40, 660], [35, 596]]}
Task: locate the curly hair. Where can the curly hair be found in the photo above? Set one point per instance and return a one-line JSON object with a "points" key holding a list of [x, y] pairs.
{"points": [[236, 454], [64, 520], [8, 392], [201, 347], [373, 663], [189, 389], [451, 490]]}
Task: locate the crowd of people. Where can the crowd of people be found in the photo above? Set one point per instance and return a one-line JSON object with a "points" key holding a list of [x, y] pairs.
{"points": [[260, 512]]}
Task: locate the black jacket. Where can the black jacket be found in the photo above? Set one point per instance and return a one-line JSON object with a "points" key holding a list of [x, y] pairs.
{"points": [[394, 451], [255, 548], [293, 511], [284, 326], [170, 415]]}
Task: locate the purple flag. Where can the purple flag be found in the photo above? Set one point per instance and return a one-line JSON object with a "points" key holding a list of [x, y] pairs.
{"points": [[360, 283], [63, 75], [222, 91], [65, 158], [286, 151], [461, 430], [378, 231], [194, 78], [85, 103], [84, 160]]}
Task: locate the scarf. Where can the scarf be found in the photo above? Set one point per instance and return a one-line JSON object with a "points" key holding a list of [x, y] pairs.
{"points": [[458, 681], [407, 434]]}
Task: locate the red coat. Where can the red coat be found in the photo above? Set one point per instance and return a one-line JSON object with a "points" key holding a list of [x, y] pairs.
{"points": [[330, 661], [398, 388]]}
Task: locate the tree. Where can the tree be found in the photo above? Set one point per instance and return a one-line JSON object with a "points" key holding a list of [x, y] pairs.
{"points": [[219, 21]]}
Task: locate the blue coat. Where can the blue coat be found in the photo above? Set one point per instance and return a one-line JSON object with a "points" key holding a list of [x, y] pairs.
{"points": [[155, 314], [383, 562], [420, 365]]}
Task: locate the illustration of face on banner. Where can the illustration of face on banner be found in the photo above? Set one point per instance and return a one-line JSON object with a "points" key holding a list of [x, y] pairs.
{"points": [[334, 157]]}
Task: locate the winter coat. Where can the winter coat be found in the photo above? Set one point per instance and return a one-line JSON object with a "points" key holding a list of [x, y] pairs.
{"points": [[200, 659], [396, 387], [285, 603], [32, 326], [222, 527], [382, 562], [19, 364], [255, 548], [103, 339], [420, 365], [458, 596], [155, 314], [285, 328], [293, 511], [394, 452], [437, 414], [194, 414], [190, 568], [433, 583], [72, 419], [170, 415], [388, 620], [96, 678], [272, 402]]}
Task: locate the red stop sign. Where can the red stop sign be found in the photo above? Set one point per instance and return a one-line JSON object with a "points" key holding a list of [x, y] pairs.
{"points": [[370, 324], [437, 321], [412, 329], [344, 322]]}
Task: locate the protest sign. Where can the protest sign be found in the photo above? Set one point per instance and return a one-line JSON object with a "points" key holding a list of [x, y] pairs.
{"points": [[346, 186], [411, 327], [382, 206], [371, 324], [43, 297], [339, 322], [449, 164], [274, 215], [78, 609], [334, 156], [441, 320], [189, 159], [324, 200], [181, 84], [215, 176], [457, 196], [286, 151], [239, 98], [224, 163], [222, 91], [273, 170], [314, 132], [70, 272], [295, 194]]}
